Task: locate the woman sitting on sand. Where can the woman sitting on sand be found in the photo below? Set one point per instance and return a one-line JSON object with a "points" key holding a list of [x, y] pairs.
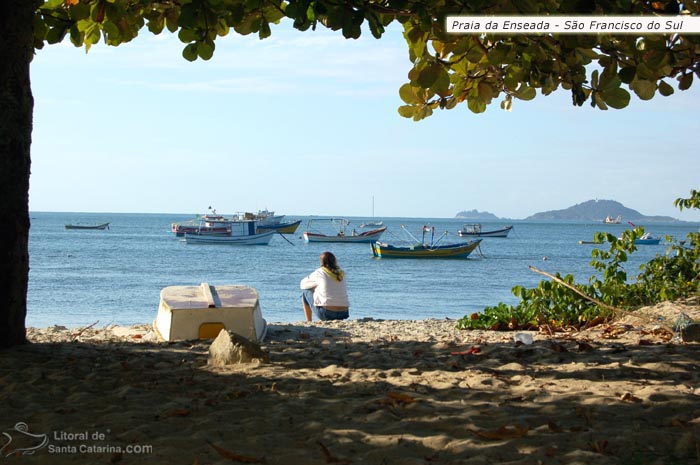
{"points": [[325, 291]]}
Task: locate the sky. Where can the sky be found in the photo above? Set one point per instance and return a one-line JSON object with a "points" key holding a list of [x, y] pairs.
{"points": [[306, 123]]}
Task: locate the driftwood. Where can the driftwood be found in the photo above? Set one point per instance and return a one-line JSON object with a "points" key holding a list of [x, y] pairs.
{"points": [[598, 302], [79, 333]]}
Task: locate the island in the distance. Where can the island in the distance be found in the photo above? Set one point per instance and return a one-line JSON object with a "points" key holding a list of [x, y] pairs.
{"points": [[591, 210]]}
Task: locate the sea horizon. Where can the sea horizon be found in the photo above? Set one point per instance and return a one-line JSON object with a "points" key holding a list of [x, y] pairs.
{"points": [[116, 275]]}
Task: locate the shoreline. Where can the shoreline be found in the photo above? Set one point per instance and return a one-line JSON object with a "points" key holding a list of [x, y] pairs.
{"points": [[363, 391]]}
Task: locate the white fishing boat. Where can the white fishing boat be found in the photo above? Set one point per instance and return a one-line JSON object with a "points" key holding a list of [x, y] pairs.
{"points": [[373, 223], [475, 230], [201, 312], [211, 224], [338, 230], [241, 233]]}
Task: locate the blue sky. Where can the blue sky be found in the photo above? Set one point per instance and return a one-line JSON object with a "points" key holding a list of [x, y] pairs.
{"points": [[306, 123]]}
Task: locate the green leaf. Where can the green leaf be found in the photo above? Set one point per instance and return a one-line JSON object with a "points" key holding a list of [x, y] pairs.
{"points": [[422, 113], [189, 53], [665, 89], [428, 75], [644, 89], [407, 111], [79, 11], [441, 86], [265, 30], [616, 98], [685, 81], [476, 105], [598, 101], [526, 92], [485, 92], [497, 54], [155, 25], [56, 34], [187, 35], [475, 54], [92, 34], [205, 50], [627, 74], [407, 94]]}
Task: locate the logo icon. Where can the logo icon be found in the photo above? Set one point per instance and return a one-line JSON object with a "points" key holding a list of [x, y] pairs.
{"points": [[20, 441]]}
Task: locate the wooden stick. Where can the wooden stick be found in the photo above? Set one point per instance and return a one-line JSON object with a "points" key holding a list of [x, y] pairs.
{"points": [[598, 302], [77, 335]]}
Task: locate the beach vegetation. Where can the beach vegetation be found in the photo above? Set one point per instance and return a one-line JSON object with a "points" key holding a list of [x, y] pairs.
{"points": [[446, 70], [554, 304]]}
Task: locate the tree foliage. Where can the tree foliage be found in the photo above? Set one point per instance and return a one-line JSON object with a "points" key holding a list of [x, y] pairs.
{"points": [[674, 275], [446, 69]]}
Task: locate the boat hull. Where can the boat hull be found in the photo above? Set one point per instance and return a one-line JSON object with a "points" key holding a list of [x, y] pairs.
{"points": [[365, 237], [647, 241], [282, 228], [495, 233], [252, 239], [381, 250], [200, 312], [88, 226]]}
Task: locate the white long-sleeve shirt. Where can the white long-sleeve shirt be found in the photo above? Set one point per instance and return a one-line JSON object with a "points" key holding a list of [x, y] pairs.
{"points": [[328, 292]]}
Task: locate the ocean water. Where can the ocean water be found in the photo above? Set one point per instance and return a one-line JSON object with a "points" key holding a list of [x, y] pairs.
{"points": [[115, 276]]}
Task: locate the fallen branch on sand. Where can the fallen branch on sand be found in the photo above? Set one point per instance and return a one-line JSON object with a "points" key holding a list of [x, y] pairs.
{"points": [[77, 335]]}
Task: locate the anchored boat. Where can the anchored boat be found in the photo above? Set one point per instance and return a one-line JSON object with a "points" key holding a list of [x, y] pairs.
{"points": [[338, 230], [423, 249], [87, 226], [475, 230]]}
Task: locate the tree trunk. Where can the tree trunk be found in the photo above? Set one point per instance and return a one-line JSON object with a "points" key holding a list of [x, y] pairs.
{"points": [[16, 107]]}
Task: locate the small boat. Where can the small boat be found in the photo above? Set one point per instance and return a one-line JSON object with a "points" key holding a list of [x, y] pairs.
{"points": [[647, 239], [341, 233], [242, 233], [373, 223], [264, 217], [201, 312], [423, 249], [282, 228], [213, 224], [610, 220], [461, 250], [101, 226], [475, 230]]}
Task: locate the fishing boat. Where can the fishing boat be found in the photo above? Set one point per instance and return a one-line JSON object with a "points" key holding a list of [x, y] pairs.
{"points": [[647, 239], [462, 250], [282, 228], [241, 233], [210, 224], [100, 226], [610, 220], [373, 223], [475, 230], [423, 249], [201, 312], [263, 217], [319, 230]]}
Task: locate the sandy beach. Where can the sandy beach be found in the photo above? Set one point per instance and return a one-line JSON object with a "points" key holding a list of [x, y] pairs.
{"points": [[358, 392]]}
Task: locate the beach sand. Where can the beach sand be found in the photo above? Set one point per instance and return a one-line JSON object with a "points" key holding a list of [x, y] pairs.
{"points": [[359, 392]]}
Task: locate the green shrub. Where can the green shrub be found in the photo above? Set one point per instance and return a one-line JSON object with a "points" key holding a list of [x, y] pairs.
{"points": [[666, 277]]}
